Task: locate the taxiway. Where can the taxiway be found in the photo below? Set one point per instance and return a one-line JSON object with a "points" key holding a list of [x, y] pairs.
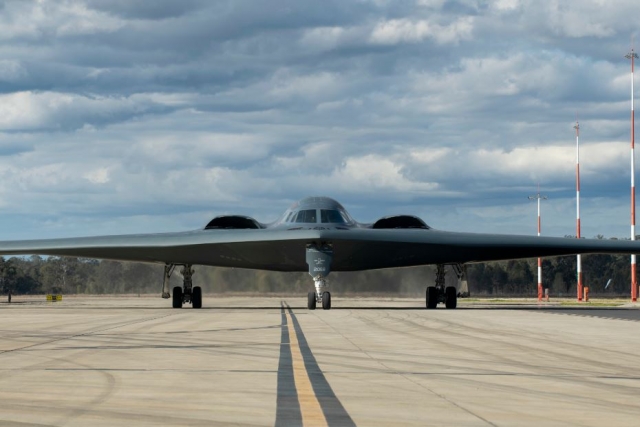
{"points": [[270, 361]]}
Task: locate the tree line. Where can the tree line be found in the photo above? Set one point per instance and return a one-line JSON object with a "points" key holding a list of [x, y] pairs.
{"points": [[38, 275]]}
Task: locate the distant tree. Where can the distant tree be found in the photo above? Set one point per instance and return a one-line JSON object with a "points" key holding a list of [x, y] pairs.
{"points": [[8, 275], [558, 286], [109, 278]]}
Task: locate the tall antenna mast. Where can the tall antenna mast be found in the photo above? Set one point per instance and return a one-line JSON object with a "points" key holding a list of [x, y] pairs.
{"points": [[579, 258], [538, 197], [634, 284]]}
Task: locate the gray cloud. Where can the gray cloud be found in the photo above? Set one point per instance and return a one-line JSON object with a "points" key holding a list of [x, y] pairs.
{"points": [[123, 116]]}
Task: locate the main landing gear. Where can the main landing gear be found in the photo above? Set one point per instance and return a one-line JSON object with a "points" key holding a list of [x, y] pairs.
{"points": [[185, 294], [439, 293]]}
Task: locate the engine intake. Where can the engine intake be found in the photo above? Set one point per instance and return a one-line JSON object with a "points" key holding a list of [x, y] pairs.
{"points": [[400, 221], [233, 222]]}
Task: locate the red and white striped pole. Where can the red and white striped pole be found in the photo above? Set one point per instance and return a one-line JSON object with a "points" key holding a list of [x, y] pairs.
{"points": [[579, 259], [538, 197], [634, 284]]}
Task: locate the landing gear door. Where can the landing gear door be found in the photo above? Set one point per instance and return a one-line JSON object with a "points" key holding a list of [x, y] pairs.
{"points": [[319, 260], [463, 284]]}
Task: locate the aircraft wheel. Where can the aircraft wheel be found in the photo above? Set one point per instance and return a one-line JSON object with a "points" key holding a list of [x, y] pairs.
{"points": [[196, 297], [326, 300], [432, 297], [311, 300], [177, 297], [450, 297]]}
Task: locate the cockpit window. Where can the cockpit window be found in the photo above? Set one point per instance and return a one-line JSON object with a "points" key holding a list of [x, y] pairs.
{"points": [[332, 216], [289, 217], [307, 215]]}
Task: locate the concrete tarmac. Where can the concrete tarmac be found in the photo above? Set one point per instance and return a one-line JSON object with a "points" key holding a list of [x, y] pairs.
{"points": [[271, 362]]}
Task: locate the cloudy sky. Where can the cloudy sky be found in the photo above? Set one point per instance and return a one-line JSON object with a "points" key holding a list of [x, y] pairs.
{"points": [[119, 116]]}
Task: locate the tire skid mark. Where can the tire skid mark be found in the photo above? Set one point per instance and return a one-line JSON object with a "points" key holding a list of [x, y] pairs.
{"points": [[40, 365], [84, 408], [513, 361], [537, 337], [529, 349], [126, 418], [110, 380], [408, 378], [602, 402], [82, 334]]}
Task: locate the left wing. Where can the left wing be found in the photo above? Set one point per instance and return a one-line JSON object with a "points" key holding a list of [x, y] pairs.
{"points": [[279, 250]]}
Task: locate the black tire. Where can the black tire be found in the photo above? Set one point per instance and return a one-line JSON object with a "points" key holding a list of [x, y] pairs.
{"points": [[432, 297], [326, 300], [311, 300], [196, 297], [451, 297], [177, 297]]}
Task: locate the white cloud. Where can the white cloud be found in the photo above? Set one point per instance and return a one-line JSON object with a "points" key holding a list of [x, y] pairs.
{"points": [[371, 173], [323, 38], [580, 20], [46, 18], [29, 110], [79, 20], [505, 5], [396, 31], [432, 4], [286, 84], [539, 163], [98, 176], [198, 148], [577, 19]]}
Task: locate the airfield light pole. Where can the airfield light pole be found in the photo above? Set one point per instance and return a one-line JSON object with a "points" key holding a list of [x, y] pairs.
{"points": [[634, 284], [538, 197], [579, 259]]}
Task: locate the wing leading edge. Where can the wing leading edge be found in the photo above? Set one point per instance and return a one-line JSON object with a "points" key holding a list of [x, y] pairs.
{"points": [[284, 250]]}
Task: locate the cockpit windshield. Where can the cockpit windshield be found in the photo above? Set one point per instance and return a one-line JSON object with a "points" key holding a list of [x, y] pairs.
{"points": [[315, 210], [332, 216], [307, 215]]}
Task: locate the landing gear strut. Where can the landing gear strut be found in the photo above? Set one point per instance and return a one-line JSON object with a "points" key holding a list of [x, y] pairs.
{"points": [[463, 284], [320, 295], [439, 293], [185, 294], [168, 270]]}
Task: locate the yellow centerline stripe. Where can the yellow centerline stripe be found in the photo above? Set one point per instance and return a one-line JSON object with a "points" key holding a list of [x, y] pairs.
{"points": [[310, 409]]}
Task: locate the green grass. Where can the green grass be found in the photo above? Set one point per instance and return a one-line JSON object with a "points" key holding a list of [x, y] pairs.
{"points": [[555, 301], [498, 300], [593, 303]]}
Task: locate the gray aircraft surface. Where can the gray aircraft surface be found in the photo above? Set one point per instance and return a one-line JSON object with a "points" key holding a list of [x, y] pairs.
{"points": [[316, 235]]}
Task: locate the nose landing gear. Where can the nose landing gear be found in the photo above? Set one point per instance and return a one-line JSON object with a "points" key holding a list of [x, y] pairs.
{"points": [[319, 261]]}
